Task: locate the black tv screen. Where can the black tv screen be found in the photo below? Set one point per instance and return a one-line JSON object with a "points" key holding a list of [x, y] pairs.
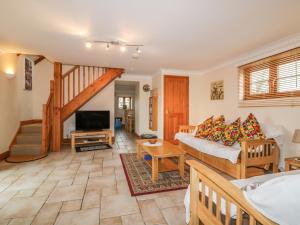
{"points": [[92, 120]]}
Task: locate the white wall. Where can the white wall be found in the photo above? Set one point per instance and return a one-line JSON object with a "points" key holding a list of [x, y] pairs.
{"points": [[43, 74], [8, 112]]}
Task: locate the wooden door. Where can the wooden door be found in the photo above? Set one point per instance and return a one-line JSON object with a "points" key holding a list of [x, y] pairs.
{"points": [[176, 105]]}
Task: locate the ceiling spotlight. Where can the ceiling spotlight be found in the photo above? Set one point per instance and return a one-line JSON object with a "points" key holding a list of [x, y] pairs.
{"points": [[138, 50], [88, 44], [123, 48]]}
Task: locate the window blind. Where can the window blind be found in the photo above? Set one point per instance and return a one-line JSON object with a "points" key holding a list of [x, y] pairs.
{"points": [[271, 81]]}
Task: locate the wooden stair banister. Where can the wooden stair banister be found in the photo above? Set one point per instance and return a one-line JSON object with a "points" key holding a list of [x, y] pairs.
{"points": [[96, 81], [47, 120]]}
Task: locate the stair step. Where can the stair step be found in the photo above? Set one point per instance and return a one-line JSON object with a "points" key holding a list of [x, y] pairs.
{"points": [[25, 149], [32, 128], [29, 138]]}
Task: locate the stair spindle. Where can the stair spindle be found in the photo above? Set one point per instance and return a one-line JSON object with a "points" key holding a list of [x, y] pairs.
{"points": [[78, 79], [69, 87], [88, 76], [73, 84], [83, 77], [63, 91], [93, 73]]}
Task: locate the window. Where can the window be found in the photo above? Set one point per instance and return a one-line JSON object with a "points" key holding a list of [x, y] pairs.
{"points": [[271, 78], [125, 102]]}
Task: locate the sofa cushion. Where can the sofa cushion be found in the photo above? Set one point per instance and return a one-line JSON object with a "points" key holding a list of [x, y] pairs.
{"points": [[217, 130], [231, 133], [205, 128], [251, 129]]}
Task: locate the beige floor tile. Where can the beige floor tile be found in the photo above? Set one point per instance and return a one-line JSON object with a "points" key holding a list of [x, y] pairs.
{"points": [[68, 193], [25, 193], [164, 202], [71, 206], [175, 215], [45, 188], [110, 170], [82, 217], [107, 191], [111, 221], [96, 174], [81, 178], [21, 221], [5, 196], [120, 174], [132, 219], [118, 205], [177, 196], [106, 154], [122, 187], [91, 199], [22, 207], [97, 183], [4, 221], [47, 215], [112, 162], [151, 213], [66, 182]]}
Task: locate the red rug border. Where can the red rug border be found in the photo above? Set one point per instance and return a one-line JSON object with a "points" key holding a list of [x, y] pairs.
{"points": [[144, 193]]}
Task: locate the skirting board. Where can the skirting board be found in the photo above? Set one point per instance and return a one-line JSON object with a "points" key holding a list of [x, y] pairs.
{"points": [[4, 155]]}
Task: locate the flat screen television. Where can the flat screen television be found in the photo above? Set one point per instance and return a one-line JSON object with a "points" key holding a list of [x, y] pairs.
{"points": [[92, 120]]}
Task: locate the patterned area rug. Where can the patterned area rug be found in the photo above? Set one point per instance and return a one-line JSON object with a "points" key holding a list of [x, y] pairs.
{"points": [[138, 174]]}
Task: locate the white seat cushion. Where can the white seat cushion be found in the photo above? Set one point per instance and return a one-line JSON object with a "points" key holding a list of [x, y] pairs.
{"points": [[210, 147]]}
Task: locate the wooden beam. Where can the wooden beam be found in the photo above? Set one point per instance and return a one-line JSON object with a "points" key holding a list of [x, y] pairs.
{"points": [[39, 59], [110, 75], [57, 122]]}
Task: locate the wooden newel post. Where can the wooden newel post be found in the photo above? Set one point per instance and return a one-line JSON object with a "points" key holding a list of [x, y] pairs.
{"points": [[57, 121]]}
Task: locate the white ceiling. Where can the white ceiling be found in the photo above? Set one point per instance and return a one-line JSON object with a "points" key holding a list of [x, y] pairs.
{"points": [[178, 34]]}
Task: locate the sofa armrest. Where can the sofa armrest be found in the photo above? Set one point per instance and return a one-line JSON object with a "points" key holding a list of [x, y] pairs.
{"points": [[259, 152], [186, 128]]}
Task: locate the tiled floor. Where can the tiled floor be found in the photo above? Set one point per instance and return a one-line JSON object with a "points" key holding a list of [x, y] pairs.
{"points": [[83, 188]]}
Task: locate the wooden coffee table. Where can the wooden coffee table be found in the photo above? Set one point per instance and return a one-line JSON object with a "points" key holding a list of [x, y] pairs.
{"points": [[161, 155]]}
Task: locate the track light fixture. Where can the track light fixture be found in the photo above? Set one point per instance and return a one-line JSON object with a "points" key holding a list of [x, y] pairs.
{"points": [[123, 45]]}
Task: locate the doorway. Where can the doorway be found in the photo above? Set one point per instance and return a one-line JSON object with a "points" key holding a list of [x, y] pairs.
{"points": [[125, 99], [176, 105]]}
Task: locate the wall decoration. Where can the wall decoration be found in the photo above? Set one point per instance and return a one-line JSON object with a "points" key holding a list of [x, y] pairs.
{"points": [[146, 87], [217, 90], [28, 74]]}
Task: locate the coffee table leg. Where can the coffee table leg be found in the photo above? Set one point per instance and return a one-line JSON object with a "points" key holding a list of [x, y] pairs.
{"points": [[181, 166], [154, 169], [138, 149]]}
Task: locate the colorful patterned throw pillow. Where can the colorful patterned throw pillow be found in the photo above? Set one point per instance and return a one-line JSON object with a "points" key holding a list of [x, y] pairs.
{"points": [[218, 129], [250, 129], [231, 133], [205, 128]]}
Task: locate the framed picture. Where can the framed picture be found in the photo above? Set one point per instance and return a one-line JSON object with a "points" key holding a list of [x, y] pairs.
{"points": [[28, 74], [217, 90]]}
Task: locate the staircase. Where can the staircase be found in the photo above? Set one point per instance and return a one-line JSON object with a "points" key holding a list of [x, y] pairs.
{"points": [[27, 144], [68, 92]]}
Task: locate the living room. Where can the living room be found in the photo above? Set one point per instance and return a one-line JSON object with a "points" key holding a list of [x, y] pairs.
{"points": [[123, 112]]}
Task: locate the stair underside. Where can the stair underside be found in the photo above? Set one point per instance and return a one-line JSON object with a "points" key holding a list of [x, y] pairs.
{"points": [[90, 92]]}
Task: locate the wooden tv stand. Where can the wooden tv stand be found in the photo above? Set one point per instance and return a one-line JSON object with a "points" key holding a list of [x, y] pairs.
{"points": [[81, 138]]}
